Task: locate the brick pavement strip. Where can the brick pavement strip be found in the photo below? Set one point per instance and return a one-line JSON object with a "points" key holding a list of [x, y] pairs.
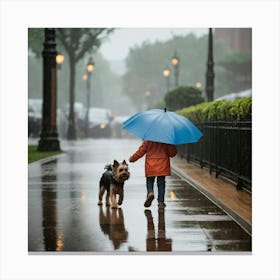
{"points": [[236, 203]]}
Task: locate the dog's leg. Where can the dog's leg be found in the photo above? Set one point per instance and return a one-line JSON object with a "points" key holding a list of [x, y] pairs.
{"points": [[120, 197], [108, 198], [113, 198], [100, 196]]}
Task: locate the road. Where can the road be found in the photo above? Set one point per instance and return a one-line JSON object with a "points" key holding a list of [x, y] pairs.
{"points": [[63, 214]]}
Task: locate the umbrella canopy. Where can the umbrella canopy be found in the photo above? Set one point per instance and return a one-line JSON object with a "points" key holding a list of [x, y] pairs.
{"points": [[162, 126]]}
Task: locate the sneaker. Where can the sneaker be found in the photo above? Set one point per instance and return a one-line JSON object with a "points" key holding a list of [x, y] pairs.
{"points": [[149, 199]]}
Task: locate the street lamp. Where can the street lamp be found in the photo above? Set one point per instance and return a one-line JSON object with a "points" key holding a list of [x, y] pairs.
{"points": [[90, 65], [166, 73], [210, 69], [59, 60], [49, 136], [175, 62], [90, 68], [198, 85]]}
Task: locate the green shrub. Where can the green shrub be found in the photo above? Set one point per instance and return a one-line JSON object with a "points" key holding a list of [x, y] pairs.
{"points": [[182, 97], [222, 110]]}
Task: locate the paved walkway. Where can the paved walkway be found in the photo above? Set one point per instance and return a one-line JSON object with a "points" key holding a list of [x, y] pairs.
{"points": [[237, 204], [63, 214]]}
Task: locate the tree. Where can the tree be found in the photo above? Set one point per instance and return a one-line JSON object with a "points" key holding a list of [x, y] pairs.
{"points": [[76, 42]]}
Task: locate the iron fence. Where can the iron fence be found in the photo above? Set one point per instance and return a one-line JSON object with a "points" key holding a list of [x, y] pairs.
{"points": [[226, 149]]}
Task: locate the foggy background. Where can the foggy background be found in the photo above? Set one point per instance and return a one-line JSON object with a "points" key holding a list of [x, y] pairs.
{"points": [[130, 61]]}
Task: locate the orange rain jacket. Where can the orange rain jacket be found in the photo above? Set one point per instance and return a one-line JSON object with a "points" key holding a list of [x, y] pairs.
{"points": [[158, 155]]}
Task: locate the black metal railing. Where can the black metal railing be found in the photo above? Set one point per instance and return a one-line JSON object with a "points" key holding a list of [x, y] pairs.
{"points": [[225, 148]]}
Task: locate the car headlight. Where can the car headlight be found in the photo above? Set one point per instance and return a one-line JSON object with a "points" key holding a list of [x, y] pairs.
{"points": [[102, 125]]}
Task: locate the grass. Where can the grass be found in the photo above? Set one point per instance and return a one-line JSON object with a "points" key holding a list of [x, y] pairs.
{"points": [[34, 155]]}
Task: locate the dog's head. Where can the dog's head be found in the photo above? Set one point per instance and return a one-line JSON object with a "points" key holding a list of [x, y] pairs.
{"points": [[120, 171]]}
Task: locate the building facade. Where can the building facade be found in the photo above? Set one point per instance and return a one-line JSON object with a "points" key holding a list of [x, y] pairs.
{"points": [[238, 39]]}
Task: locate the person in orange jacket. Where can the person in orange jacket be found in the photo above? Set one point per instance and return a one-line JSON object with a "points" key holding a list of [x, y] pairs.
{"points": [[157, 164]]}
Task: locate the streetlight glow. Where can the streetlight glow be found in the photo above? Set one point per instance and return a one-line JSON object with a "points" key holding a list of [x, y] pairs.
{"points": [[148, 93], [175, 61], [166, 72], [90, 66], [59, 58]]}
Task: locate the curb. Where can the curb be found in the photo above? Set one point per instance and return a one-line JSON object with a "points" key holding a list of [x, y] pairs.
{"points": [[235, 216]]}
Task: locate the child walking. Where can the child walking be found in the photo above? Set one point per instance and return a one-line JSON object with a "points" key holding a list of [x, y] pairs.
{"points": [[157, 165]]}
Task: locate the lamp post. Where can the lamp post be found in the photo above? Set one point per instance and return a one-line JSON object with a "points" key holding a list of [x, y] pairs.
{"points": [[90, 68], [84, 77], [148, 95], [209, 88], [166, 74], [49, 136], [175, 62]]}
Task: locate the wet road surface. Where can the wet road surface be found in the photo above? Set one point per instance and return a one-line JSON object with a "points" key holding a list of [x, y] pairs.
{"points": [[63, 214]]}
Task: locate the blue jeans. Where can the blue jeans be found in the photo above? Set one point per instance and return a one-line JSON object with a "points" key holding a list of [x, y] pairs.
{"points": [[161, 186]]}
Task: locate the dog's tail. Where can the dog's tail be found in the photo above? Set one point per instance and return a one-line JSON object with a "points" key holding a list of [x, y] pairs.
{"points": [[108, 167]]}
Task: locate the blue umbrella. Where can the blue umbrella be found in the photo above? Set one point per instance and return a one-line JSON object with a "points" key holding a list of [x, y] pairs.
{"points": [[162, 126]]}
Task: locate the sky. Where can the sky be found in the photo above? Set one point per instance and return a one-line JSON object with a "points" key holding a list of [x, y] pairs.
{"points": [[117, 45]]}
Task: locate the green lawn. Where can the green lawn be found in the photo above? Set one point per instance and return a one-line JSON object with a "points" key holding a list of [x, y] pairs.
{"points": [[34, 155]]}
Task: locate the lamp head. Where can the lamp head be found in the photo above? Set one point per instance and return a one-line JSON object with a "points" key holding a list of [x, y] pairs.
{"points": [[59, 58], [90, 65], [175, 59], [166, 72]]}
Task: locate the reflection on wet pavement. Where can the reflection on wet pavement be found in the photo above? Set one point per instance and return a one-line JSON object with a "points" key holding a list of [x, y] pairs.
{"points": [[63, 214], [112, 224], [159, 243]]}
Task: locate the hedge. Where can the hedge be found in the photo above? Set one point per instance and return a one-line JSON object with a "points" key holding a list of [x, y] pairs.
{"points": [[222, 110]]}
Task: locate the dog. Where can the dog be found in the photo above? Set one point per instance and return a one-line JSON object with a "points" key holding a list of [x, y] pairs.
{"points": [[112, 181]]}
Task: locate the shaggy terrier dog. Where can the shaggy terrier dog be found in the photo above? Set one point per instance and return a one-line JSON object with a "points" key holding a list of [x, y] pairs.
{"points": [[112, 181]]}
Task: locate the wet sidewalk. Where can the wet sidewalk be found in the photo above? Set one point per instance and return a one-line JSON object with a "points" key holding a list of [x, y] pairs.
{"points": [[236, 203], [63, 215]]}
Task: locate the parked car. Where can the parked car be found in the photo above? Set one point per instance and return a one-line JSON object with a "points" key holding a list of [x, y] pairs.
{"points": [[234, 96], [117, 130], [34, 117], [99, 122]]}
